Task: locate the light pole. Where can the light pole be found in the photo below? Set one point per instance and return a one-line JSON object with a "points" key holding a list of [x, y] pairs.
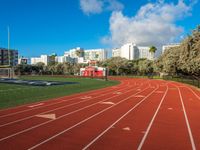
{"points": [[8, 46]]}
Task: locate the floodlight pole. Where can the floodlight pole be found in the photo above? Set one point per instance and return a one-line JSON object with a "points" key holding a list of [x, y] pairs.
{"points": [[8, 46]]}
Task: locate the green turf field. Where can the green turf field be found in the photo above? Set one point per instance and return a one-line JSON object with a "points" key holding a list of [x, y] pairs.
{"points": [[13, 95]]}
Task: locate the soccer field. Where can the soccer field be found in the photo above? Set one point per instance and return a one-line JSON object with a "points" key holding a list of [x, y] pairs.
{"points": [[13, 95]]}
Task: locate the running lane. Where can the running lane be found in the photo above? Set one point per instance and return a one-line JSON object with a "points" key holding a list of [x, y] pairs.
{"points": [[168, 130]]}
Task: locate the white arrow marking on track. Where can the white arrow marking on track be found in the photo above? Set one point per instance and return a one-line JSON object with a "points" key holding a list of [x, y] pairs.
{"points": [[86, 97], [108, 103], [139, 96], [36, 105], [126, 129], [48, 116]]}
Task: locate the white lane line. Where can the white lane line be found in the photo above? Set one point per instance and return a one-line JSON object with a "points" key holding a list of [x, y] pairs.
{"points": [[36, 105], [152, 120], [56, 135], [61, 98], [193, 92], [122, 83], [36, 126], [102, 133], [53, 110], [187, 122]]}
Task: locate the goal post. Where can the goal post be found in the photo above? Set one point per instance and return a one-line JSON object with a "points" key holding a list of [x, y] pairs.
{"points": [[7, 72]]}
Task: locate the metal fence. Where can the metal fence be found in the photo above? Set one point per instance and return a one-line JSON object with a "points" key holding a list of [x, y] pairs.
{"points": [[193, 80]]}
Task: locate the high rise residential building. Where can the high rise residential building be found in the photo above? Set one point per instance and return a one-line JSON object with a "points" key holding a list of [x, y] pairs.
{"points": [[95, 54], [131, 51], [144, 52], [76, 52], [116, 52], [8, 57], [168, 46], [63, 59], [43, 58]]}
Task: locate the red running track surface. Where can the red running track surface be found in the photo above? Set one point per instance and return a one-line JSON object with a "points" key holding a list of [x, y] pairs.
{"points": [[136, 114]]}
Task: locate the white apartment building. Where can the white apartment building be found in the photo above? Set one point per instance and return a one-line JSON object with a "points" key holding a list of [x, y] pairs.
{"points": [[63, 59], [144, 53], [22, 60], [165, 47], [131, 51], [95, 54], [73, 52], [43, 58], [116, 52], [59, 59]]}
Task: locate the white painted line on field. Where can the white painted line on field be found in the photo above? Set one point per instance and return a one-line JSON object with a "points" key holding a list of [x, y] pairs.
{"points": [[139, 96], [48, 116], [189, 89], [107, 103], [127, 129], [143, 132], [187, 122], [18, 112], [33, 127], [61, 108], [86, 97], [36, 105], [56, 135], [152, 120], [117, 93], [102, 133]]}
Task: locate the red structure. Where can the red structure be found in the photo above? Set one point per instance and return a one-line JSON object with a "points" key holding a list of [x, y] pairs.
{"points": [[93, 71]]}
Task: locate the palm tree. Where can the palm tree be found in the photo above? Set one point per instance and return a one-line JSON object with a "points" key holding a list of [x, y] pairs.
{"points": [[78, 53], [152, 51]]}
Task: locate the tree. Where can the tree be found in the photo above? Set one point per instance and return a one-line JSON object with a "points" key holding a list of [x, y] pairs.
{"points": [[152, 51], [116, 63]]}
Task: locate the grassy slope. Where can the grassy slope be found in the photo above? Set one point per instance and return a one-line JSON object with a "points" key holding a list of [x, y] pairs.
{"points": [[13, 95]]}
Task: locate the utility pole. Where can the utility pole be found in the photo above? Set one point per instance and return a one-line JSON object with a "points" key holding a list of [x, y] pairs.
{"points": [[8, 46]]}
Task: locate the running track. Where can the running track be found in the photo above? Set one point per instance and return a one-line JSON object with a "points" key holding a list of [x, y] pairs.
{"points": [[136, 114]]}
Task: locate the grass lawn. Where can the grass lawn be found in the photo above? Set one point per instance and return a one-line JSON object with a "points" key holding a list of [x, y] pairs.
{"points": [[13, 95]]}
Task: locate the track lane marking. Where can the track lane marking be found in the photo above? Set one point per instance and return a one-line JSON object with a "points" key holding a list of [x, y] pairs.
{"points": [[122, 83], [36, 105], [187, 122], [152, 120], [56, 135], [55, 109], [33, 127], [48, 116], [102, 133], [61, 98], [107, 103]]}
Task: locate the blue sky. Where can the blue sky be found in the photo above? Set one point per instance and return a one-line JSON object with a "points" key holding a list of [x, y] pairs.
{"points": [[46, 26]]}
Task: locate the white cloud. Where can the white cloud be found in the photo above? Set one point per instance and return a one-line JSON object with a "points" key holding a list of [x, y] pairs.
{"points": [[114, 5], [154, 24], [91, 6], [98, 6]]}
